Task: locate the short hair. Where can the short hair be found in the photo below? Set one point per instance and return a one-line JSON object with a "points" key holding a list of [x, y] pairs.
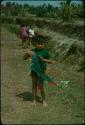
{"points": [[39, 39]]}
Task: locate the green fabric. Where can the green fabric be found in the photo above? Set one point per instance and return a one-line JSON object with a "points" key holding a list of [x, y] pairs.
{"points": [[38, 65], [36, 68], [43, 53]]}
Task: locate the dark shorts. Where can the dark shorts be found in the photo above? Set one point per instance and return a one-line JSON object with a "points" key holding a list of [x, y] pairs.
{"points": [[34, 74]]}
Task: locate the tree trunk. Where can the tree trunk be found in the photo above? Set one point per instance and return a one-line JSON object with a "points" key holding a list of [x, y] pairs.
{"points": [[66, 11]]}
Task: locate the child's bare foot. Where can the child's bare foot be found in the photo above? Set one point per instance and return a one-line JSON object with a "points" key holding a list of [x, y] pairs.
{"points": [[44, 104], [34, 103]]}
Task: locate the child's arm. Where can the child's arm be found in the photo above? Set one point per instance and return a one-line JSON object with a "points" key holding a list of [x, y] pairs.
{"points": [[47, 60]]}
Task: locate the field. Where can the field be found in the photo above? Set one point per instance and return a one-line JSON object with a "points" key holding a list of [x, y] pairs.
{"points": [[64, 107]]}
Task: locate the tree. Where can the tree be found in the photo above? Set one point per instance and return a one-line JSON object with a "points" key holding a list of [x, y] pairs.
{"points": [[66, 11]]}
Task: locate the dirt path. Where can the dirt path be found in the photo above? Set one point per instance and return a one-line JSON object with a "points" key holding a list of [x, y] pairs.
{"points": [[13, 79], [16, 95]]}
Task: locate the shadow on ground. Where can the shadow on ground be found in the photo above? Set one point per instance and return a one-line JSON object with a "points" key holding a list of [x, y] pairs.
{"points": [[27, 96]]}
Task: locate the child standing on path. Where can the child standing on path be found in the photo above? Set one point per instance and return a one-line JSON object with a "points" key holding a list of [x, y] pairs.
{"points": [[43, 57]]}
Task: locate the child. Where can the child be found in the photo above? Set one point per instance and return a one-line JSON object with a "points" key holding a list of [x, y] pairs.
{"points": [[23, 34], [31, 34], [43, 57]]}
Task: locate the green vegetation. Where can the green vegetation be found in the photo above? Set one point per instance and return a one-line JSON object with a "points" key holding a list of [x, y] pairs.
{"points": [[66, 11], [47, 16]]}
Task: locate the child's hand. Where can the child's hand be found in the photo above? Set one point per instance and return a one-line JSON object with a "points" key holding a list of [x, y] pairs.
{"points": [[50, 61], [28, 54], [31, 53]]}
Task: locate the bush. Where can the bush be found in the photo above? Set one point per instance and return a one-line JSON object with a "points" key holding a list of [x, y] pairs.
{"points": [[12, 28], [9, 20]]}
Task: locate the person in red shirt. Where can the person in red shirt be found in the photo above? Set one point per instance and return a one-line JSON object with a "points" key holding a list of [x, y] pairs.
{"points": [[23, 34]]}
